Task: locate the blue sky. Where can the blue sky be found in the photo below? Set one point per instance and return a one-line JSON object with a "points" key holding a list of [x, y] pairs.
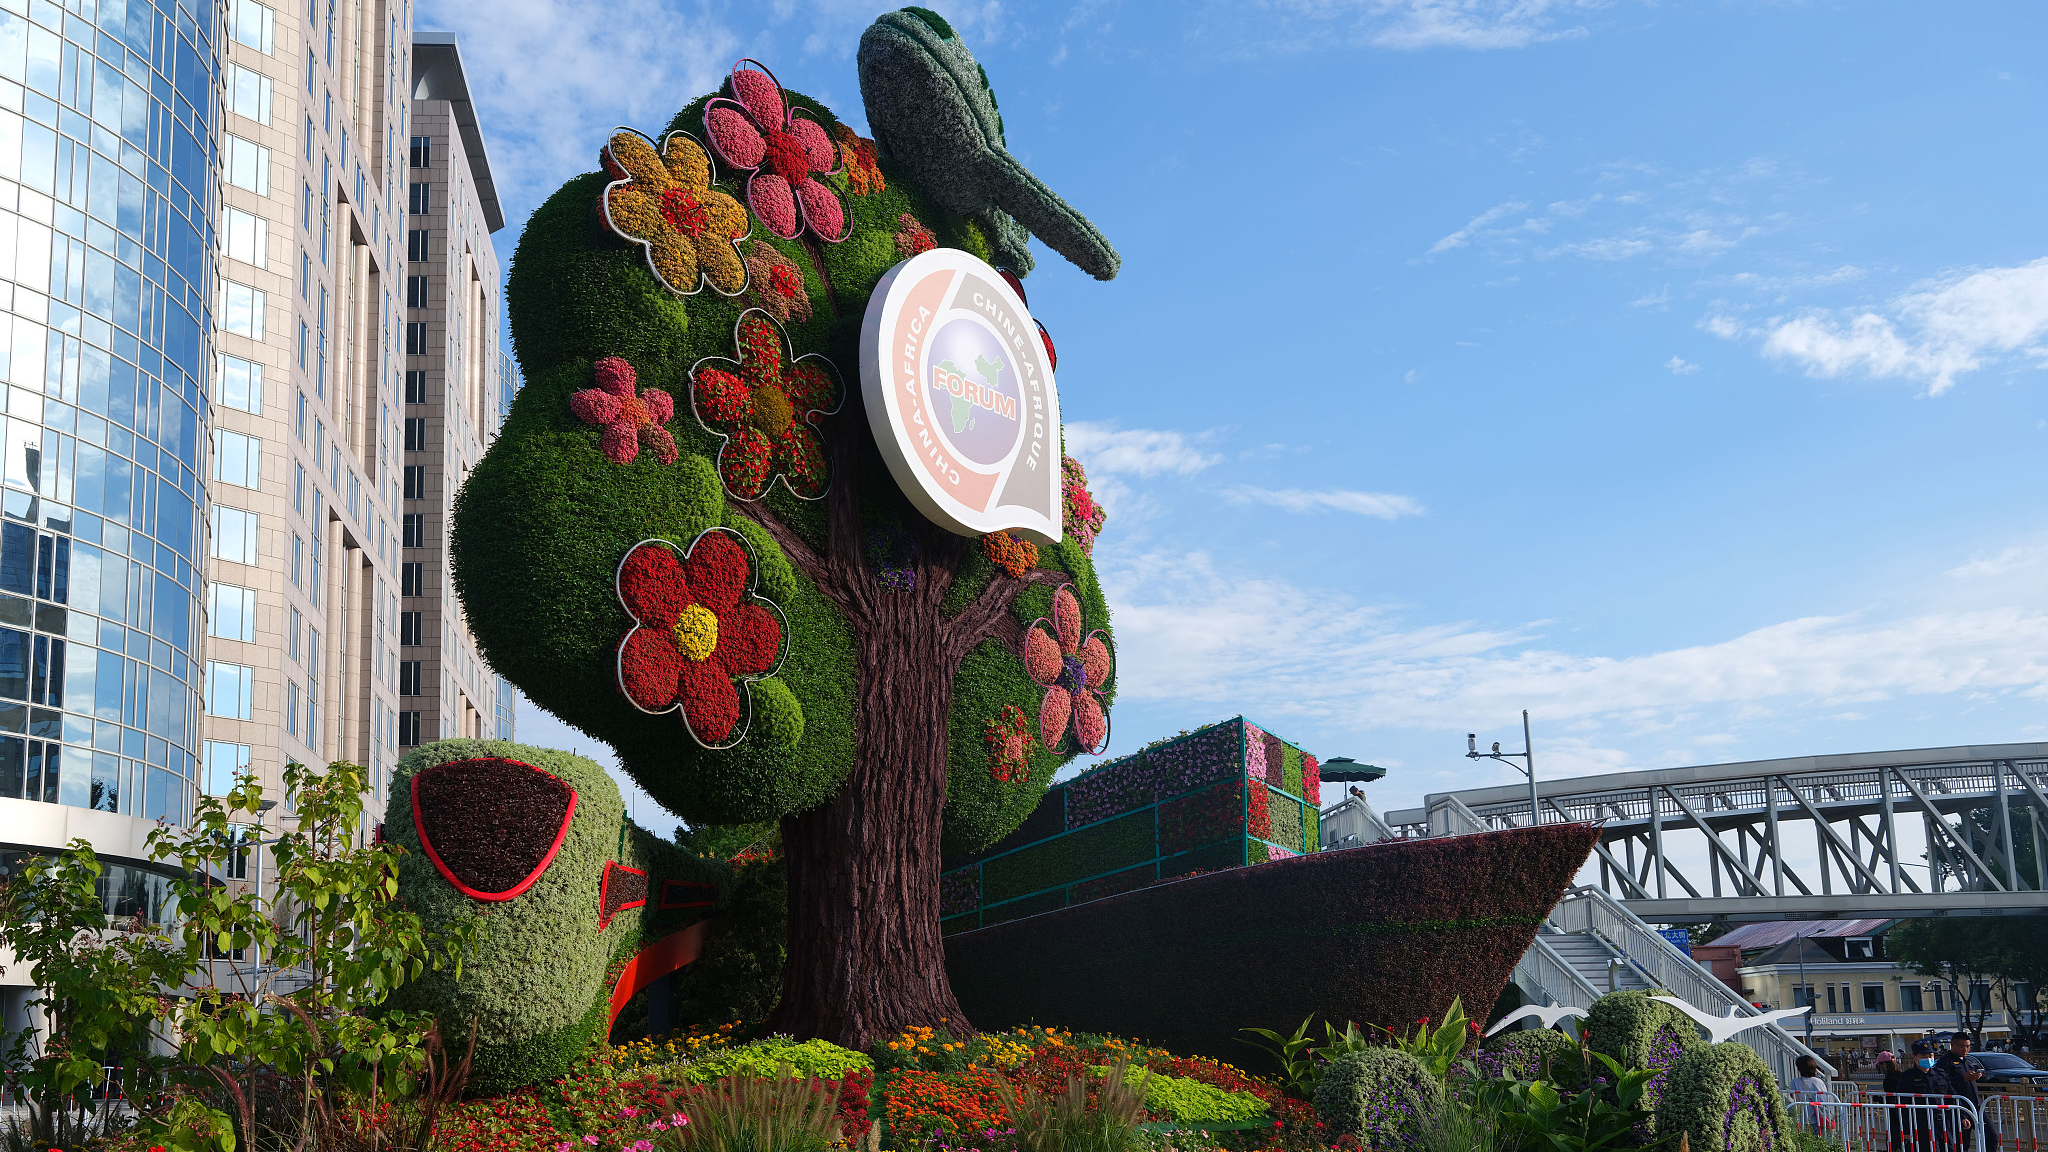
{"points": [[1674, 371]]}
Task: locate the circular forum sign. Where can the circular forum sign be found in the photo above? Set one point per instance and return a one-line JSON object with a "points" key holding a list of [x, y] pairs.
{"points": [[960, 396]]}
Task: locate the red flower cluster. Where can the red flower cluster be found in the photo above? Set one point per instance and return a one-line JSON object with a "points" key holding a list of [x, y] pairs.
{"points": [[915, 238], [1311, 779], [785, 150], [1258, 814], [952, 1106], [629, 420], [863, 165], [765, 405], [1008, 738]]}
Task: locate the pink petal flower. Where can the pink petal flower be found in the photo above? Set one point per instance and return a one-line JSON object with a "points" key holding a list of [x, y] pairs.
{"points": [[590, 1140], [679, 1118], [615, 376], [738, 142], [621, 443], [759, 92], [1066, 617], [658, 439], [817, 145], [1041, 656], [1090, 725], [1053, 715], [594, 406], [821, 210], [1095, 660], [773, 203], [661, 406]]}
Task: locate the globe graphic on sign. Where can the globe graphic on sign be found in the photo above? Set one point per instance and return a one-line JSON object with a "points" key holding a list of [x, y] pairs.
{"points": [[975, 397]]}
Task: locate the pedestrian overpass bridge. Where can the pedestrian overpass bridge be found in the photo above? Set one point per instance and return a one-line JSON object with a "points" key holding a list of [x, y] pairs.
{"points": [[1924, 832]]}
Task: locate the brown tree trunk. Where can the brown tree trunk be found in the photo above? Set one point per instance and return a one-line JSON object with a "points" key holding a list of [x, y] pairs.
{"points": [[865, 958]]}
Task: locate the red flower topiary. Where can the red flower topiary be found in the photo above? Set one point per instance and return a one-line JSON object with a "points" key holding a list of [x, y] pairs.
{"points": [[699, 634], [765, 405], [1073, 670], [784, 149], [629, 420], [1008, 738]]}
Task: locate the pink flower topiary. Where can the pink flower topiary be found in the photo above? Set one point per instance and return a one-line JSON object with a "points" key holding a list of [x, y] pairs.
{"points": [[784, 149], [1073, 670], [629, 420]]}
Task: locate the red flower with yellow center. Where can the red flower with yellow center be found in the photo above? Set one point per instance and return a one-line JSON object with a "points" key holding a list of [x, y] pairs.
{"points": [[700, 633]]}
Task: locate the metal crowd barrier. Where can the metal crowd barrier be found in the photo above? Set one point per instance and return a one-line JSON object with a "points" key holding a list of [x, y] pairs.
{"points": [[2011, 1122], [1890, 1122]]}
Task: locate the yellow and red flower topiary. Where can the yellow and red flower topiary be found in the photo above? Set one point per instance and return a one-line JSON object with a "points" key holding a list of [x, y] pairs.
{"points": [[765, 405], [666, 203], [699, 634]]}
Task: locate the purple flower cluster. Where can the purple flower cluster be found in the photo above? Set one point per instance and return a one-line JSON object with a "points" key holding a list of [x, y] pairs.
{"points": [[1750, 1097], [959, 892], [1387, 1117], [1169, 768], [892, 553]]}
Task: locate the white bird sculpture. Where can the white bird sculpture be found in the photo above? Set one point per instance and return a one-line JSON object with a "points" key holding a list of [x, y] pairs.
{"points": [[1720, 1028], [1549, 1016]]}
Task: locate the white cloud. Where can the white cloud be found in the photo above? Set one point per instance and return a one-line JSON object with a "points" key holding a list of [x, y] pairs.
{"points": [[1187, 631], [1471, 24], [1463, 236], [1680, 366], [1931, 336], [1383, 505], [2010, 560], [1105, 448]]}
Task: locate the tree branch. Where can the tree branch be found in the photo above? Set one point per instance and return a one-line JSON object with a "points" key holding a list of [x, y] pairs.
{"points": [[989, 615]]}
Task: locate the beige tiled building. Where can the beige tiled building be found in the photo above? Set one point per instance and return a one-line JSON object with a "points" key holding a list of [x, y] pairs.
{"points": [[454, 384]]}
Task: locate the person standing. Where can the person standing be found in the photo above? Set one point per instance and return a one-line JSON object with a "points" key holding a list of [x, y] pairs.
{"points": [[1963, 1071], [1923, 1082]]}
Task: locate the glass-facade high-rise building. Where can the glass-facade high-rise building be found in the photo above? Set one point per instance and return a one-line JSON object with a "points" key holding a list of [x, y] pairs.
{"points": [[109, 116]]}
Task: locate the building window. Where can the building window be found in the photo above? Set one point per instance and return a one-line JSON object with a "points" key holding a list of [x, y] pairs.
{"points": [[416, 385], [237, 459], [255, 26], [416, 245], [409, 624], [415, 433], [241, 309], [291, 632], [300, 420], [416, 338], [247, 164], [412, 579], [234, 534], [1980, 997], [1909, 998], [415, 482], [231, 612], [408, 729], [415, 291], [415, 526], [1934, 997], [241, 384], [220, 764], [291, 707], [298, 558], [230, 689], [1873, 997], [422, 151], [298, 488], [246, 235], [409, 677], [419, 197], [248, 94]]}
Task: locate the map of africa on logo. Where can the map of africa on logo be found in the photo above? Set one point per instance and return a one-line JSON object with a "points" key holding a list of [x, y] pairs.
{"points": [[982, 400]]}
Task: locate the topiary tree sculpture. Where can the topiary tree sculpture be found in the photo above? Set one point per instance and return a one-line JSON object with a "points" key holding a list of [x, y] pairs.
{"points": [[686, 543], [1724, 1098], [1641, 1033]]}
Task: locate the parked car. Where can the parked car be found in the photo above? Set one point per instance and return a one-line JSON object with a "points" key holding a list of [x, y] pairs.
{"points": [[2005, 1068]]}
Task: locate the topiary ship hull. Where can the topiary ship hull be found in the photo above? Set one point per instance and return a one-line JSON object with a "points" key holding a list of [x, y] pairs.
{"points": [[1381, 935]]}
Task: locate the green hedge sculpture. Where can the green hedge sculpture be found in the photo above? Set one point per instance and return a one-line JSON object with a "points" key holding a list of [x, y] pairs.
{"points": [[1724, 1098], [1383, 1096]]}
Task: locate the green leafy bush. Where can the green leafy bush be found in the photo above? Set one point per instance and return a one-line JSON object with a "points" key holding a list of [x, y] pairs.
{"points": [[1380, 1095], [1723, 1098], [1192, 1102], [1640, 1032], [780, 1056]]}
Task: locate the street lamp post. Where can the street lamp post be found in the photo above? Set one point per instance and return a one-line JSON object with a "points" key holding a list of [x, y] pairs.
{"points": [[1527, 756]]}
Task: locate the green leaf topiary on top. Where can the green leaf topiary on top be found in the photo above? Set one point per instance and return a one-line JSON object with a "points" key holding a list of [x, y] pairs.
{"points": [[1383, 1096], [1723, 1098]]}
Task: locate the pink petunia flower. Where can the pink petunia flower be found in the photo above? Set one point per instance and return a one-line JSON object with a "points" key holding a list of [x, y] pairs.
{"points": [[591, 1140], [679, 1119], [785, 150], [628, 1113], [628, 420], [1073, 669]]}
